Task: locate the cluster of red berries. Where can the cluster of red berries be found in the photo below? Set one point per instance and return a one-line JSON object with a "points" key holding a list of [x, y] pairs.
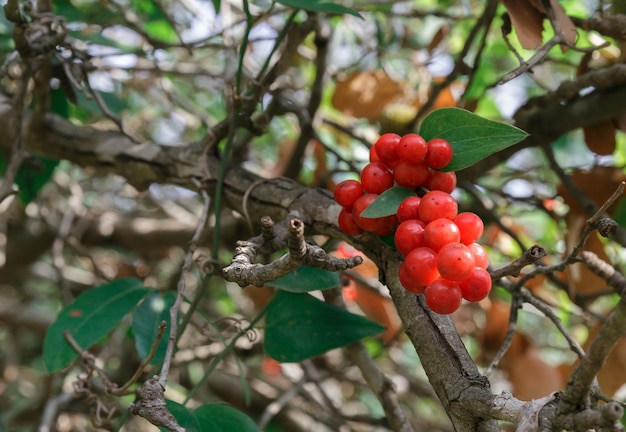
{"points": [[442, 259]]}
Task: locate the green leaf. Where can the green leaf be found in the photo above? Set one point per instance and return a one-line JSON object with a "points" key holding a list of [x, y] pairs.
{"points": [[471, 136], [305, 279], [320, 6], [89, 318], [153, 310], [299, 326], [223, 418], [31, 176], [387, 202], [183, 416]]}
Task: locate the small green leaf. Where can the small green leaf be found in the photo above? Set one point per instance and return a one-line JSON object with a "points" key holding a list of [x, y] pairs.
{"points": [[320, 6], [299, 326], [471, 136], [183, 416], [305, 279], [387, 202], [33, 174], [223, 418], [153, 310], [89, 318]]}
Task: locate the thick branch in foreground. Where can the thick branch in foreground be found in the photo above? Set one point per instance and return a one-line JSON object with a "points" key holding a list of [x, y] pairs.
{"points": [[243, 271], [150, 404]]}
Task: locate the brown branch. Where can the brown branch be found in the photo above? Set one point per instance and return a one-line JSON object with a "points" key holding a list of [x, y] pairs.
{"points": [[150, 404], [244, 272], [380, 384], [530, 256]]}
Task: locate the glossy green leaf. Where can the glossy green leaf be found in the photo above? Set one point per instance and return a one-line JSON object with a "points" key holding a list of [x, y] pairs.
{"points": [[471, 136], [89, 318], [387, 202], [183, 416], [223, 418], [320, 6], [305, 279], [299, 326], [152, 311]]}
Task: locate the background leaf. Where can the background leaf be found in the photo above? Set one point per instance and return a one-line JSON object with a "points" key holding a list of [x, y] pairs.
{"points": [[299, 326], [471, 136], [89, 318], [305, 279], [223, 418], [183, 416], [320, 6], [153, 310], [387, 202]]}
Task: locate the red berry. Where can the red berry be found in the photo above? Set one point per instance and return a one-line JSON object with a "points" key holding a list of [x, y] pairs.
{"points": [[412, 149], [421, 266], [443, 296], [387, 226], [438, 204], [477, 286], [455, 261], [387, 148], [366, 224], [410, 175], [373, 155], [439, 153], [408, 208], [471, 226], [480, 255], [409, 235], [440, 232], [347, 224], [376, 178], [407, 282], [439, 180], [347, 192]]}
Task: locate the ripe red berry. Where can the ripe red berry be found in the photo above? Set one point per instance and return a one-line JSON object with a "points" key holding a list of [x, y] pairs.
{"points": [[412, 149], [376, 178], [439, 180], [408, 208], [347, 224], [347, 192], [410, 175], [477, 286], [387, 225], [438, 204], [409, 235], [366, 224], [421, 266], [387, 148], [373, 155], [439, 153], [455, 261], [470, 225], [408, 283], [443, 296], [480, 255], [440, 232]]}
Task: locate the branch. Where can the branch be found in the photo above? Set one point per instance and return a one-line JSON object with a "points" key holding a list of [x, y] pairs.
{"points": [[244, 272]]}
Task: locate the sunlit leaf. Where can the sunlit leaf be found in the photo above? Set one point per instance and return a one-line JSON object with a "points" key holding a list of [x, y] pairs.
{"points": [[299, 326], [387, 202], [471, 136]]}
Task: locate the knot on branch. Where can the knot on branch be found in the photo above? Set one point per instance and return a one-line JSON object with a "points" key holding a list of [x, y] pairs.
{"points": [[150, 404], [606, 227], [288, 233], [530, 256]]}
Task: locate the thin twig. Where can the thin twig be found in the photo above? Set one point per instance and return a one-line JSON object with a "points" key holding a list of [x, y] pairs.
{"points": [[182, 285]]}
